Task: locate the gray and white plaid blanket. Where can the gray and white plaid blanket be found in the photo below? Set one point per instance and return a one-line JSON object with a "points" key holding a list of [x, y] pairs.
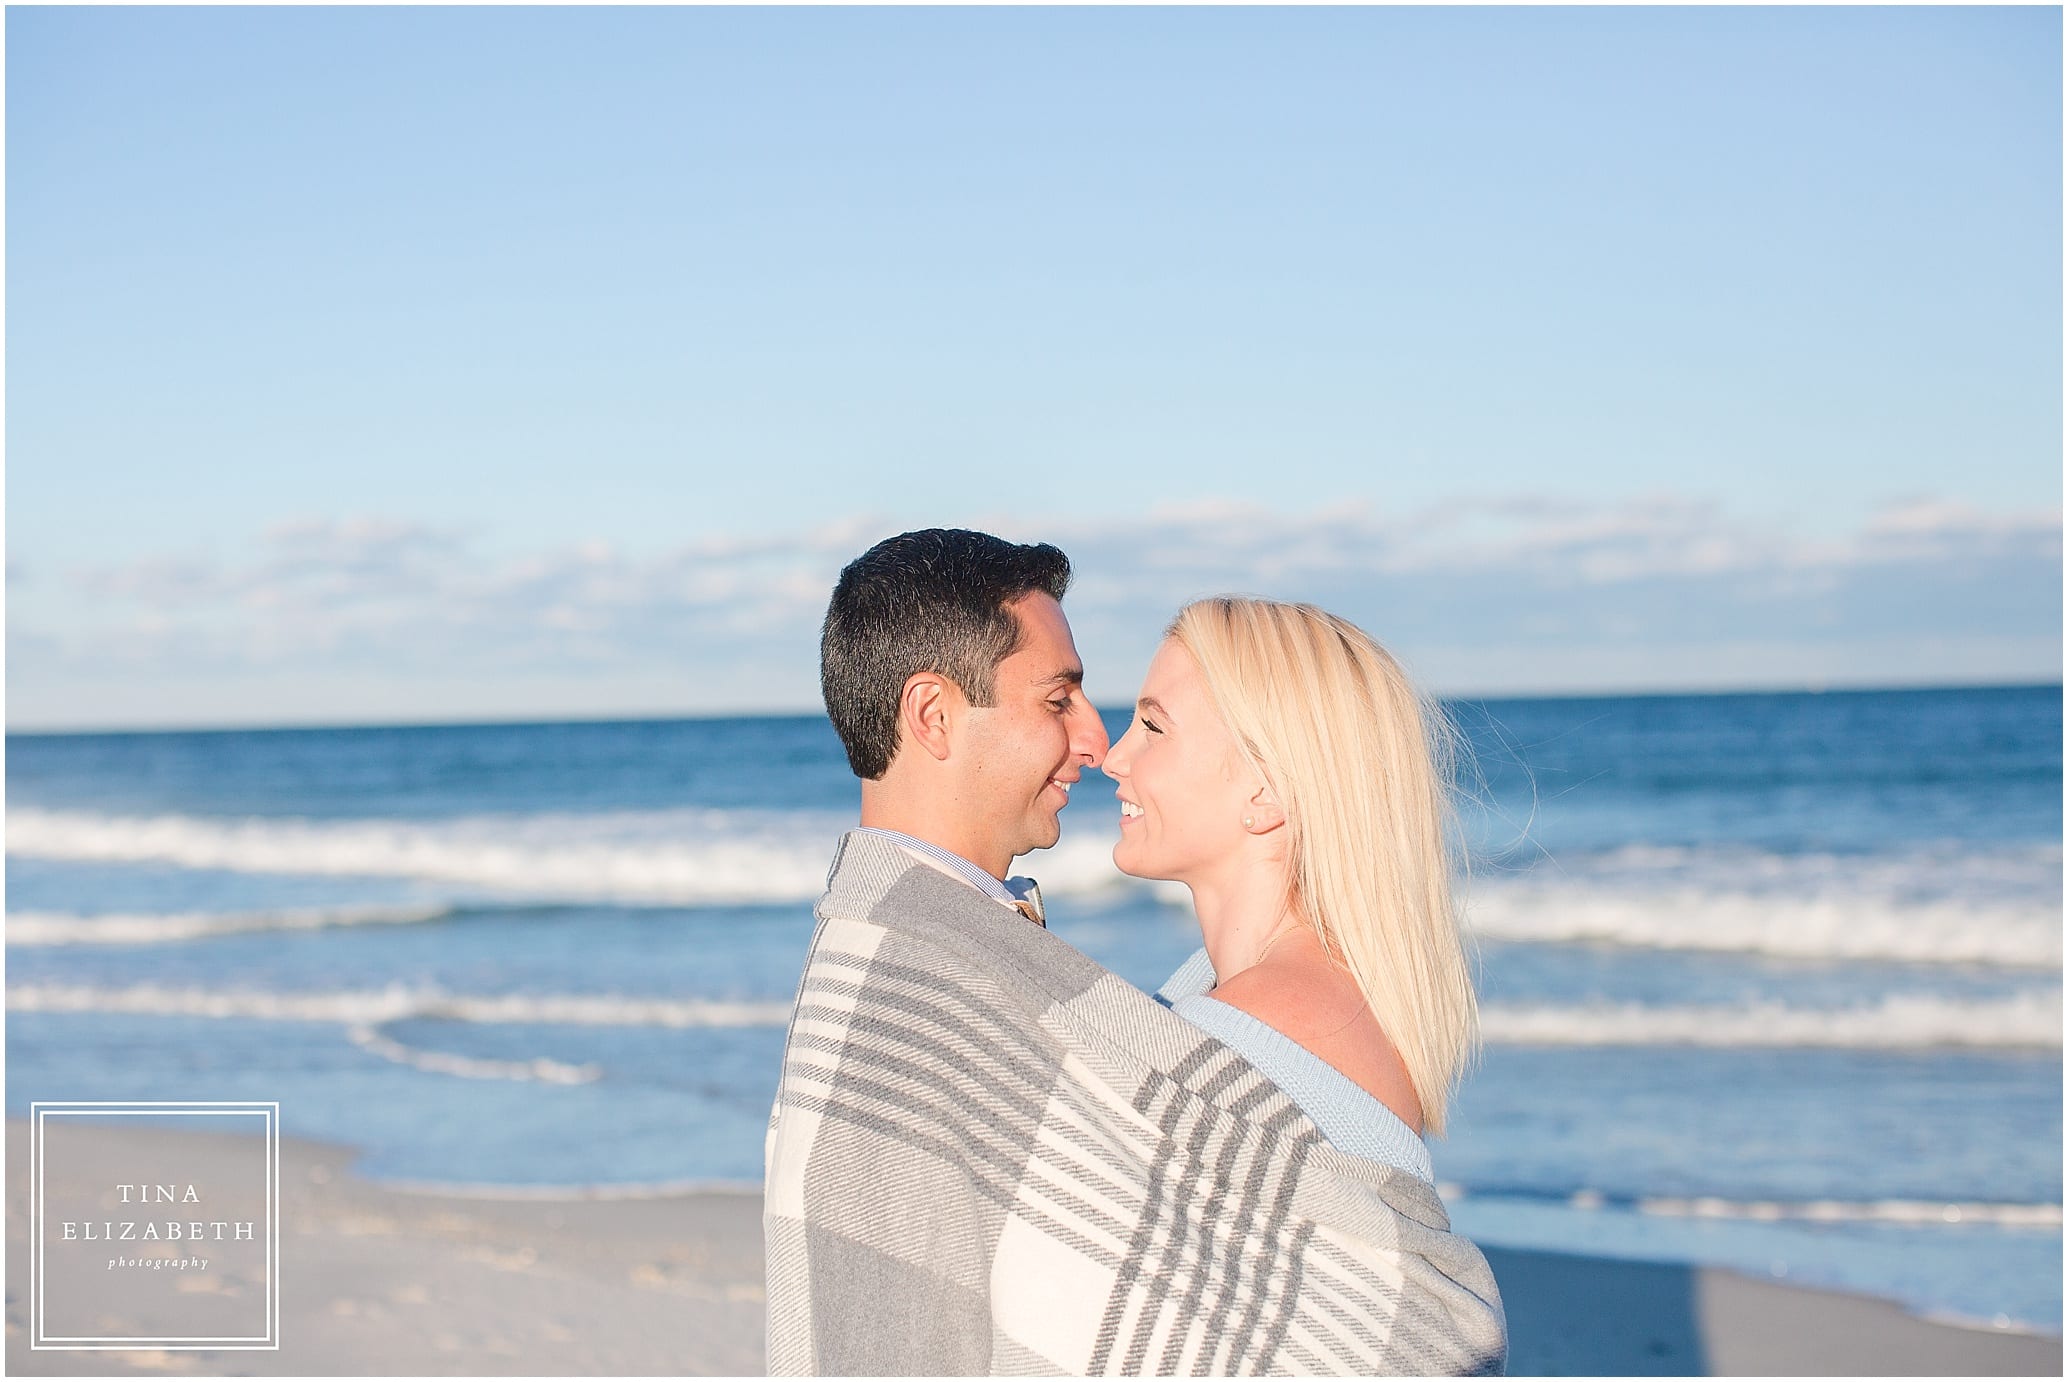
{"points": [[990, 1155]]}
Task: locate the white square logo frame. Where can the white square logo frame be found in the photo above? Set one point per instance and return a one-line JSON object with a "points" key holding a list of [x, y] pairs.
{"points": [[268, 1114]]}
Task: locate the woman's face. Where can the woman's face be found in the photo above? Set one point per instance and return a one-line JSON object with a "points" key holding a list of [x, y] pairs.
{"points": [[1183, 786]]}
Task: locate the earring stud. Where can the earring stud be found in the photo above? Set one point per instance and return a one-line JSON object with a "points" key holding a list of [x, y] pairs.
{"points": [[1249, 822]]}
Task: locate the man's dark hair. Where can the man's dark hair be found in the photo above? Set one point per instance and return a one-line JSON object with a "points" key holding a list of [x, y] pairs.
{"points": [[930, 601]]}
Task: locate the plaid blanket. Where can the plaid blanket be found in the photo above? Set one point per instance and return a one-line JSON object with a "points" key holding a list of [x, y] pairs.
{"points": [[989, 1155]]}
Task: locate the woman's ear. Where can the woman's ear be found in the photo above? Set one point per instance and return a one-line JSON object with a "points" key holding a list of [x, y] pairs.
{"points": [[1262, 814]]}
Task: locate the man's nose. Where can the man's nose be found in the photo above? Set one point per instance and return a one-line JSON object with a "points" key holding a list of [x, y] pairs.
{"points": [[1092, 741]]}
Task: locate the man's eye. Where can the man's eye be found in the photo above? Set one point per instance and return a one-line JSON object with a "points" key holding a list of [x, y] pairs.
{"points": [[1061, 707]]}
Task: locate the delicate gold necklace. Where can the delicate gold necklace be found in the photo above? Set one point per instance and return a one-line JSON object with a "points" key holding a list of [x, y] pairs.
{"points": [[1274, 941]]}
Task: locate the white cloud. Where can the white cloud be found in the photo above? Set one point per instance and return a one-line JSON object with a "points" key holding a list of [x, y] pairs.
{"points": [[1468, 586]]}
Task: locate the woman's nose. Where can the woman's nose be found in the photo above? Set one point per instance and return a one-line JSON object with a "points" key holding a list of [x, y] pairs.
{"points": [[1115, 764]]}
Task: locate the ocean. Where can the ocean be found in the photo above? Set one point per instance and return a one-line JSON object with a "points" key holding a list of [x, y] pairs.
{"points": [[1770, 982]]}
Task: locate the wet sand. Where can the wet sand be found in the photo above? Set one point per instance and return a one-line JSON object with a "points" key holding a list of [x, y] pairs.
{"points": [[381, 1281]]}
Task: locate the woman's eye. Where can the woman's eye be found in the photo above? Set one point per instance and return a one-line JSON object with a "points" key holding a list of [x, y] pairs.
{"points": [[1151, 726]]}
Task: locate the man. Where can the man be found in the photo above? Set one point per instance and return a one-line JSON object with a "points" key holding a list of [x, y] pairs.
{"points": [[988, 1154], [950, 675]]}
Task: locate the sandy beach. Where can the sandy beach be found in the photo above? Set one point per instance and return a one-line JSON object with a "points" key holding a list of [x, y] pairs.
{"points": [[383, 1281]]}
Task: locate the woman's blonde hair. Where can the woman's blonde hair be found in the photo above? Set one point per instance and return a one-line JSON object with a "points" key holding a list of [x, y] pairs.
{"points": [[1361, 761]]}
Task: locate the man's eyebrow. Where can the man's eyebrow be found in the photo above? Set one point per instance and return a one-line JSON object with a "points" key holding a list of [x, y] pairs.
{"points": [[1069, 676]]}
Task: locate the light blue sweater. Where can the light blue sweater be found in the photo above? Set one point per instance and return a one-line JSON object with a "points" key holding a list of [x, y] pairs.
{"points": [[1346, 1113]]}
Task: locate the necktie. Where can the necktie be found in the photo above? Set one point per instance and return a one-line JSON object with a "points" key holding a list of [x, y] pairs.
{"points": [[1028, 903]]}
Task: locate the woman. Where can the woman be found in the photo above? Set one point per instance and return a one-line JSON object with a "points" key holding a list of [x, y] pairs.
{"points": [[1282, 767]]}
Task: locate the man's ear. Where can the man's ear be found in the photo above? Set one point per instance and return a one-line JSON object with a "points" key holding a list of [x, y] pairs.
{"points": [[925, 708], [1262, 814]]}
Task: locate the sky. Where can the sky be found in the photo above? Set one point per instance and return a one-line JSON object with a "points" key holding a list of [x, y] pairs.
{"points": [[393, 364]]}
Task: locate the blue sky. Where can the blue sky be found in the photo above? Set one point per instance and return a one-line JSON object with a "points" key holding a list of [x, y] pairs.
{"points": [[428, 364]]}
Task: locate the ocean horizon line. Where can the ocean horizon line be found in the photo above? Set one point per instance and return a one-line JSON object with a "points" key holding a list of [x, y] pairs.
{"points": [[792, 712]]}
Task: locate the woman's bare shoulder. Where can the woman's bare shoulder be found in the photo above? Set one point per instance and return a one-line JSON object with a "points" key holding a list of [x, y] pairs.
{"points": [[1305, 1000], [1320, 1006]]}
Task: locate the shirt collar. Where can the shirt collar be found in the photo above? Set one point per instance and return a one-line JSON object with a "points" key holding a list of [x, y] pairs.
{"points": [[1008, 892]]}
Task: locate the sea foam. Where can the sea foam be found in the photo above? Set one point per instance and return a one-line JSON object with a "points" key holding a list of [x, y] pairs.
{"points": [[374, 1007], [2025, 1020], [1910, 1213], [1928, 905], [171, 928], [2029, 1019], [1833, 924], [688, 857]]}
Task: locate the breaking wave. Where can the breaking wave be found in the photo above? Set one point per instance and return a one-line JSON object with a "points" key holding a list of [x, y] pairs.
{"points": [[2030, 1020], [1919, 1213], [1834, 926], [1910, 1213], [1971, 906], [684, 857], [396, 1002], [58, 928], [1998, 907], [539, 1068]]}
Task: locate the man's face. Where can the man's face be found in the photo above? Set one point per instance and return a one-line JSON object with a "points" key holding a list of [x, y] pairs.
{"points": [[1025, 750]]}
